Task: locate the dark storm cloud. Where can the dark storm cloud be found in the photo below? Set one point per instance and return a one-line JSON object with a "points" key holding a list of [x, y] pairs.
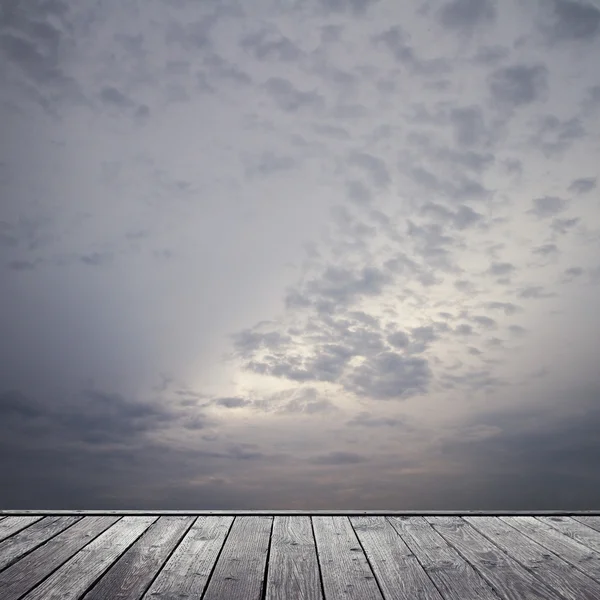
{"points": [[97, 259], [552, 458], [463, 15], [291, 99], [583, 185], [547, 206], [22, 265], [96, 417], [507, 307], [486, 322], [462, 218], [491, 55], [518, 85], [572, 20]]}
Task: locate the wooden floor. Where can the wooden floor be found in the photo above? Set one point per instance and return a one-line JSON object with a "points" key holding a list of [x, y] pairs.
{"points": [[311, 556]]}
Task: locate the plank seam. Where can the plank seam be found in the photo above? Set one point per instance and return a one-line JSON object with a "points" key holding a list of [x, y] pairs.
{"points": [[214, 566], [312, 528], [596, 579], [368, 561], [417, 559], [114, 562], [41, 581], [21, 556], [524, 566], [263, 591], [478, 571], [586, 524], [573, 538], [161, 567]]}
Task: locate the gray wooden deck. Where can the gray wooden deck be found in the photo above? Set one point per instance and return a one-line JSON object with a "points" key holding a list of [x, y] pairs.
{"points": [[97, 555]]}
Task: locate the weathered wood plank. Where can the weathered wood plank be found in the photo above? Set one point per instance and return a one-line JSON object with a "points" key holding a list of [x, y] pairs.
{"points": [[240, 568], [397, 569], [551, 569], [580, 556], [33, 536], [239, 513], [503, 573], [345, 570], [12, 525], [25, 574], [452, 574], [188, 570], [77, 575], [134, 571], [575, 530], [593, 522], [293, 570]]}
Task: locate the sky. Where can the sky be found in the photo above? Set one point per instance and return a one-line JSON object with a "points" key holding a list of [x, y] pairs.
{"points": [[300, 254]]}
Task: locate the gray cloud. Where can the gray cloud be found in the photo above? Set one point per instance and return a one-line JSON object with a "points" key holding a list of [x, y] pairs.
{"points": [[583, 185], [547, 206], [338, 458], [518, 85], [467, 14], [389, 375], [573, 20], [289, 98]]}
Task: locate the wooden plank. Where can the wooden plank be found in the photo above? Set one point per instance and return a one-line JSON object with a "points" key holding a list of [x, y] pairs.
{"points": [[551, 569], [187, 571], [240, 568], [397, 569], [293, 570], [454, 577], [290, 513], [25, 574], [503, 573], [78, 574], [133, 573], [12, 525], [33, 536], [593, 522], [580, 556], [575, 530], [345, 570]]}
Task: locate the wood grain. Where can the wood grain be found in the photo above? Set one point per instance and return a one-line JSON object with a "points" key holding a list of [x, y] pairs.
{"points": [[187, 571], [79, 573], [551, 569], [503, 573], [134, 571], [240, 568], [397, 569], [293, 570], [12, 525], [25, 574], [580, 556], [33, 536], [452, 574], [575, 530], [345, 570]]}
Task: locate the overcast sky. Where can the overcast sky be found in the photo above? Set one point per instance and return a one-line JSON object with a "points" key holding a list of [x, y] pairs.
{"points": [[300, 254]]}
